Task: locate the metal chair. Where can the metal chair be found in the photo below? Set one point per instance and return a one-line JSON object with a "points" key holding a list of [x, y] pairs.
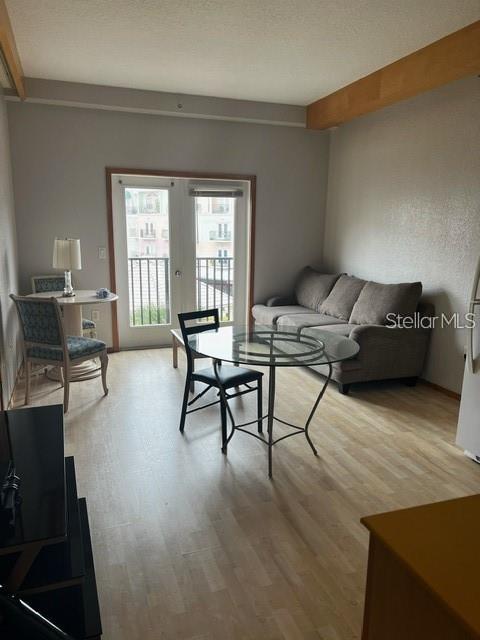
{"points": [[41, 284], [44, 342], [230, 377]]}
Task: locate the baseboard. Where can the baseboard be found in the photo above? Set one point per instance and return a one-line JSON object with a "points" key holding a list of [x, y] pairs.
{"points": [[167, 345], [437, 387]]}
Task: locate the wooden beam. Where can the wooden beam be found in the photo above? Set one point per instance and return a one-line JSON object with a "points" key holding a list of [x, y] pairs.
{"points": [[450, 58], [9, 52]]}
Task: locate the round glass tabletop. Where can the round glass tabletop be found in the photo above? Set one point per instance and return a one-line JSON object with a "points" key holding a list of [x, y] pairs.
{"points": [[273, 346]]}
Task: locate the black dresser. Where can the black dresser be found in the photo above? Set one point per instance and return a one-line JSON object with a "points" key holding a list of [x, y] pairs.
{"points": [[46, 560]]}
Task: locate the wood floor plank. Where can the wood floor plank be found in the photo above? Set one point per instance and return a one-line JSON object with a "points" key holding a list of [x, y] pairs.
{"points": [[193, 545]]}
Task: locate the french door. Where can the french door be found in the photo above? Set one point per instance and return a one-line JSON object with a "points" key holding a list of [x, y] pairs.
{"points": [[180, 244]]}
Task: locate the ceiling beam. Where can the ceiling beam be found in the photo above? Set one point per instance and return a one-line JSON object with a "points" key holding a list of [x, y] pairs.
{"points": [[450, 58], [8, 50]]}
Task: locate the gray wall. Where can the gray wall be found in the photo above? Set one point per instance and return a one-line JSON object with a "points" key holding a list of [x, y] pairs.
{"points": [[404, 204], [59, 158], [8, 264]]}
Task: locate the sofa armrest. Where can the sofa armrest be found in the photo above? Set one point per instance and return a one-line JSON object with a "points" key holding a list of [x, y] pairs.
{"points": [[391, 351], [279, 301]]}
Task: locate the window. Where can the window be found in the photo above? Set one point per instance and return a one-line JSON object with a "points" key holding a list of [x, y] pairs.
{"points": [[131, 202], [220, 205], [148, 230], [150, 202], [149, 250]]}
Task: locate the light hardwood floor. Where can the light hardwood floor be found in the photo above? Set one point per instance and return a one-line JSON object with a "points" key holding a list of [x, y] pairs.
{"points": [[189, 543]]}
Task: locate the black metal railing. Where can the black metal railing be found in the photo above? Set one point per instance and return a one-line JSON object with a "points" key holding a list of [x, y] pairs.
{"points": [[214, 286], [149, 288]]}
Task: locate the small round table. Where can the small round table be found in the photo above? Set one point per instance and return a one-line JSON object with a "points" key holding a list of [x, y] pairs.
{"points": [[72, 325], [272, 347]]}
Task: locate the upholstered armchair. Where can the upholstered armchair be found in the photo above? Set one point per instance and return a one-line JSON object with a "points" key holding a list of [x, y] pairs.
{"points": [[45, 343]]}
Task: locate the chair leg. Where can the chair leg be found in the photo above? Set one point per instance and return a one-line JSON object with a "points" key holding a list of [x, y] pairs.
{"points": [[27, 381], [66, 389], [60, 373], [184, 404], [192, 382], [260, 405], [104, 364], [223, 418]]}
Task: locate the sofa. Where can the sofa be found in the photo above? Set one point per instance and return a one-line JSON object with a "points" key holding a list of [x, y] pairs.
{"points": [[364, 311]]}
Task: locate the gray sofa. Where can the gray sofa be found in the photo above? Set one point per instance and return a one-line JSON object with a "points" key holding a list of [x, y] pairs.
{"points": [[360, 310]]}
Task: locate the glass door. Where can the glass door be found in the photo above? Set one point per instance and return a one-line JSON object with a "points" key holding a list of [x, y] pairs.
{"points": [[179, 246], [215, 254], [221, 248]]}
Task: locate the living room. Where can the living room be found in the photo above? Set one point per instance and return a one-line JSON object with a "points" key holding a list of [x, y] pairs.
{"points": [[324, 159]]}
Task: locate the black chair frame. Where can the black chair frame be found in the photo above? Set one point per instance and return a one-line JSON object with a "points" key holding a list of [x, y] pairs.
{"points": [[187, 331]]}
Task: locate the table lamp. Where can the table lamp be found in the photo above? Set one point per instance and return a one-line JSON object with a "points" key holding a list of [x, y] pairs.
{"points": [[67, 256]]}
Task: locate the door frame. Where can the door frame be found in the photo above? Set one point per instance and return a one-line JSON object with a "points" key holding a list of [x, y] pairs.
{"points": [[110, 171]]}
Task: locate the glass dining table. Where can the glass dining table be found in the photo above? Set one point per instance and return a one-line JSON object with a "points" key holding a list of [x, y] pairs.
{"points": [[272, 347]]}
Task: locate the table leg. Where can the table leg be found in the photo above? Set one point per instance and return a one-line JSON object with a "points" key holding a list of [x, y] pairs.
{"points": [[174, 352], [271, 407], [317, 402], [224, 408], [72, 319]]}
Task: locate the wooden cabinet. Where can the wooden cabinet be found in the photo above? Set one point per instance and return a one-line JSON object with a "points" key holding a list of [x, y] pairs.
{"points": [[423, 573]]}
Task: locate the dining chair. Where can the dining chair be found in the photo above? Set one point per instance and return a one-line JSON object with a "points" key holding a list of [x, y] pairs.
{"points": [[230, 377], [41, 284], [44, 342]]}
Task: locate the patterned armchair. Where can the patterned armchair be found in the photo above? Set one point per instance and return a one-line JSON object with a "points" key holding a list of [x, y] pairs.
{"points": [[44, 342], [41, 284]]}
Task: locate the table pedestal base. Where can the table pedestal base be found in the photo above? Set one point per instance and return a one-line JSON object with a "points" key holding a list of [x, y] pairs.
{"points": [[85, 370]]}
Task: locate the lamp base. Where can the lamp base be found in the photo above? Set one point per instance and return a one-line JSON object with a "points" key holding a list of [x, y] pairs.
{"points": [[68, 291]]}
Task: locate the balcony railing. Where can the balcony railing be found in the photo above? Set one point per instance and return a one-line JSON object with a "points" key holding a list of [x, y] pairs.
{"points": [[149, 291], [214, 285], [149, 288]]}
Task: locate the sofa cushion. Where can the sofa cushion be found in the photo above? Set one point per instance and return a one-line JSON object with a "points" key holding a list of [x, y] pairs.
{"points": [[340, 327], [307, 320], [343, 328], [377, 300], [342, 297], [270, 315], [313, 287]]}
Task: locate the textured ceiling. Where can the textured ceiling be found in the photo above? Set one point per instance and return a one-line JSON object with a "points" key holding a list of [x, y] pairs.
{"points": [[290, 51]]}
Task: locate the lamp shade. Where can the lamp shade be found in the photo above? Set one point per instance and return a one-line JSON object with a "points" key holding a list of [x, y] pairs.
{"points": [[66, 254]]}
